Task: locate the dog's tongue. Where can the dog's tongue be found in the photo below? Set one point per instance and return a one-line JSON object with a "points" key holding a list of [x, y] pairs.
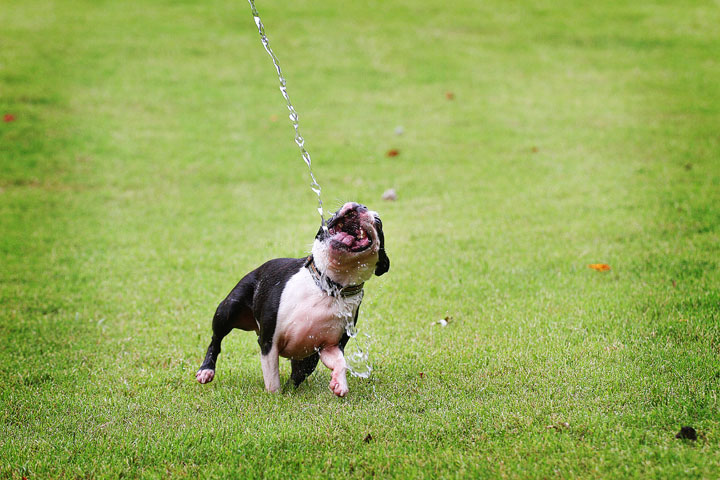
{"points": [[345, 238]]}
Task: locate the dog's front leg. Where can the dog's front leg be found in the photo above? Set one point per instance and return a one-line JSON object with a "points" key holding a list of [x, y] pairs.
{"points": [[333, 358], [271, 370]]}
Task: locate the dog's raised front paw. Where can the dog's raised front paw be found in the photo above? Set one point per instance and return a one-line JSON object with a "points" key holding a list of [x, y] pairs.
{"points": [[205, 376], [339, 388]]}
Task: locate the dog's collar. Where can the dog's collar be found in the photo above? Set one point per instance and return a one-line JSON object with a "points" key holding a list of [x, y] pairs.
{"points": [[328, 285]]}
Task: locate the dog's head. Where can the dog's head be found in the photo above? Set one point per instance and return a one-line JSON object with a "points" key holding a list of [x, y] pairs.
{"points": [[353, 247]]}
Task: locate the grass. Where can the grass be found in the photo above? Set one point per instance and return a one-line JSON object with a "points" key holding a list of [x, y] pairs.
{"points": [[150, 166]]}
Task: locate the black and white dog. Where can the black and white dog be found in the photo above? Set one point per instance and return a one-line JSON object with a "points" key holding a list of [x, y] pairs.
{"points": [[300, 307]]}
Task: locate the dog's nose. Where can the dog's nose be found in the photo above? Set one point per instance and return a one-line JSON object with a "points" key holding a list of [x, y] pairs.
{"points": [[354, 206]]}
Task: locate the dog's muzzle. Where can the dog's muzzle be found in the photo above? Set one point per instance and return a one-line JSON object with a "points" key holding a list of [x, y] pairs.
{"points": [[349, 229]]}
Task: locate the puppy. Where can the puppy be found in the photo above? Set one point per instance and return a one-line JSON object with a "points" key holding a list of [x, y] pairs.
{"points": [[300, 308]]}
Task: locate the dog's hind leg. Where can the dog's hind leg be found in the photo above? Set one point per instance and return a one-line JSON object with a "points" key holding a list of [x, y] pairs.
{"points": [[221, 327], [233, 312], [302, 368]]}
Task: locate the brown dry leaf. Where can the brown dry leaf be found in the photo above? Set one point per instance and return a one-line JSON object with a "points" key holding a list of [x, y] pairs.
{"points": [[600, 267], [393, 152], [558, 426], [450, 95]]}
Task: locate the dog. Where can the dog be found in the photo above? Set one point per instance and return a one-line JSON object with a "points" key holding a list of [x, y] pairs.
{"points": [[301, 308]]}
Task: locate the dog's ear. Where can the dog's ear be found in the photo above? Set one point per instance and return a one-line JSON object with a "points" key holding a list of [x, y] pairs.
{"points": [[383, 264]]}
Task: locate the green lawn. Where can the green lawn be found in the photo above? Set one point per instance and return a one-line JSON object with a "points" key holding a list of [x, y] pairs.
{"points": [[150, 165]]}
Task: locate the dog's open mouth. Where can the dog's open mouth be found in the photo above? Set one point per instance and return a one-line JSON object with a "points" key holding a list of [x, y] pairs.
{"points": [[346, 233]]}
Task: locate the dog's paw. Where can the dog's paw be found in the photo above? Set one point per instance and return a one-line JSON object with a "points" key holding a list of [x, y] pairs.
{"points": [[339, 388], [205, 376]]}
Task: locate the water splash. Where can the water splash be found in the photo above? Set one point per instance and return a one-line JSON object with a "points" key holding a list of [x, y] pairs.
{"points": [[299, 140], [357, 357], [357, 352]]}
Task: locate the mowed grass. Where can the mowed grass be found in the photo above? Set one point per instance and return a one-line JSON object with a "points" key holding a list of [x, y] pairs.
{"points": [[150, 165]]}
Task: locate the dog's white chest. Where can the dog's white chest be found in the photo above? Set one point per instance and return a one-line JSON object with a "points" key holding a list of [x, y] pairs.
{"points": [[308, 319]]}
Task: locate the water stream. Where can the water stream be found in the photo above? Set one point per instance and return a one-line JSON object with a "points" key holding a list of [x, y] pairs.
{"points": [[299, 140]]}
